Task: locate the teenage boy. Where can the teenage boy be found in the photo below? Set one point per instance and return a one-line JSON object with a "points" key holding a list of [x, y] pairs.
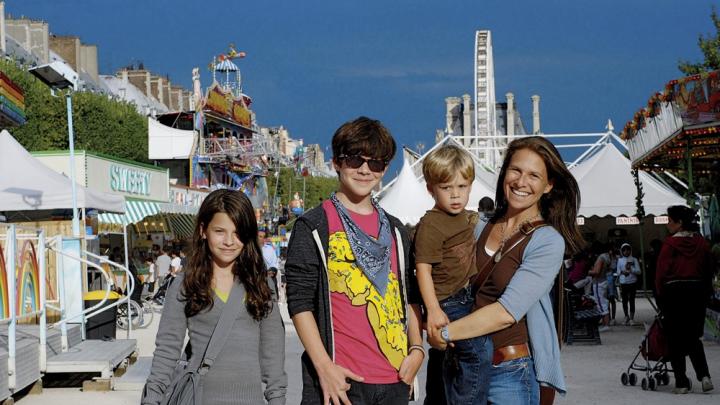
{"points": [[445, 263], [348, 276]]}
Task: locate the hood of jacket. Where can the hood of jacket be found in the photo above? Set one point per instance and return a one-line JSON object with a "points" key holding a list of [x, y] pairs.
{"points": [[687, 245]]}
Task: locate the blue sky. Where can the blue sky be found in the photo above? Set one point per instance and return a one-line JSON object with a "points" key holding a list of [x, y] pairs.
{"points": [[313, 65]]}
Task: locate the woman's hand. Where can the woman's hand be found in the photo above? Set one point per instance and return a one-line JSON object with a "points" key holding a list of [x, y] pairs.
{"points": [[436, 341], [333, 381], [436, 319]]}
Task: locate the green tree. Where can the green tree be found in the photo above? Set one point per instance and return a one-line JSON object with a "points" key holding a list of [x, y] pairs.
{"points": [[710, 47], [100, 124], [288, 183]]}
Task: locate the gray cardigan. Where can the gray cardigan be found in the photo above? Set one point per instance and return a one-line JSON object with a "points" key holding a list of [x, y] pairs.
{"points": [[253, 356]]}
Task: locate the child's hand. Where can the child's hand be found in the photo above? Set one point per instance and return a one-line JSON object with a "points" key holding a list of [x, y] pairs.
{"points": [[436, 319]]}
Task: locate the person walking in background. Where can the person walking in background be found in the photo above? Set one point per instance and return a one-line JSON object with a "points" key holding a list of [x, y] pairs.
{"points": [[162, 265], [444, 262], [225, 273], [149, 280], [683, 282], [175, 263], [348, 272], [602, 266], [628, 270]]}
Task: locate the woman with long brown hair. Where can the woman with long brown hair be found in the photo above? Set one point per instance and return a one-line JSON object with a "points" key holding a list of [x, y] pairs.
{"points": [[519, 253], [225, 268]]}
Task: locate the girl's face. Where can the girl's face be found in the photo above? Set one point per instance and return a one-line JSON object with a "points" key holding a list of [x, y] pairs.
{"points": [[525, 182], [223, 241]]}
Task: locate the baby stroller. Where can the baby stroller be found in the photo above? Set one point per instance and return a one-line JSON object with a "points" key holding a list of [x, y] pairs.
{"points": [[655, 355], [159, 296]]}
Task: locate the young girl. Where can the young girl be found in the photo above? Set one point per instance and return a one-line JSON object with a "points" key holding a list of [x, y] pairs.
{"points": [[225, 255]]}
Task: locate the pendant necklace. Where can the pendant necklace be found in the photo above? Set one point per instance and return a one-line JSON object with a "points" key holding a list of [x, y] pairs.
{"points": [[505, 238]]}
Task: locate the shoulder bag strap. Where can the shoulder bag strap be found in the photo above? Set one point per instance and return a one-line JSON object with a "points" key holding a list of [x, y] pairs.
{"points": [[489, 265], [221, 331]]}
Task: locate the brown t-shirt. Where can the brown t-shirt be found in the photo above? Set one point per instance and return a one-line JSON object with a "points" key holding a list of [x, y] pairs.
{"points": [[495, 286], [447, 243]]}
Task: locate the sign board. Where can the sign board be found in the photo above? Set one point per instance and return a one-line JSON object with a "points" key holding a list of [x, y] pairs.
{"points": [[580, 221], [662, 220], [626, 221]]}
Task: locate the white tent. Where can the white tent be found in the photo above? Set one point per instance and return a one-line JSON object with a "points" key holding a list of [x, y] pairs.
{"points": [[26, 184], [168, 143], [407, 199], [410, 201], [607, 186]]}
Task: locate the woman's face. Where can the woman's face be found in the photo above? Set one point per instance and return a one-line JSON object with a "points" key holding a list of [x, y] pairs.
{"points": [[673, 226], [223, 241], [525, 182]]}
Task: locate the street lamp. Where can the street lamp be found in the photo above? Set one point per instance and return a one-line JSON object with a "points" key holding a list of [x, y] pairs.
{"points": [[59, 75]]}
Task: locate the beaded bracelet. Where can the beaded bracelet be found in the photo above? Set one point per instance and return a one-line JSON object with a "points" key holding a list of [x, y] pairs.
{"points": [[417, 347]]}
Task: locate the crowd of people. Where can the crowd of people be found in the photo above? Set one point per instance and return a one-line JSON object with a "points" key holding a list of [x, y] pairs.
{"points": [[363, 292]]}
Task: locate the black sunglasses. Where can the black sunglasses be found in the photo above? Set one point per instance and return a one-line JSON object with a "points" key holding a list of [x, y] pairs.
{"points": [[355, 161]]}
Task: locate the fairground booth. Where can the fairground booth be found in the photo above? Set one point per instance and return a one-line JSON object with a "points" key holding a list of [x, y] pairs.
{"points": [[156, 213], [677, 136]]}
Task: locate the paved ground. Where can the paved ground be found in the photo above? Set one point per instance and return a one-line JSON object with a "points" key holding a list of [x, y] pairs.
{"points": [[592, 373]]}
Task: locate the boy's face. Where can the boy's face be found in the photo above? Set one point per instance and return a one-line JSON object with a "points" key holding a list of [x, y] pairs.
{"points": [[452, 196], [359, 182]]}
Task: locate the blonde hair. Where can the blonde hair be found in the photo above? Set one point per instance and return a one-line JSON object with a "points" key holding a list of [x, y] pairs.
{"points": [[445, 162]]}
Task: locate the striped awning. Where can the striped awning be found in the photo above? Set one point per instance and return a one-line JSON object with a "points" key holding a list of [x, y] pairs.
{"points": [[182, 225], [135, 211]]}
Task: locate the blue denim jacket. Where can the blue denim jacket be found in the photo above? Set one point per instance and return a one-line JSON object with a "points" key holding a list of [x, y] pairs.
{"points": [[528, 294]]}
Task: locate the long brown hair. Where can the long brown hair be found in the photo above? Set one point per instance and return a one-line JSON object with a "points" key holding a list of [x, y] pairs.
{"points": [[249, 267], [559, 207]]}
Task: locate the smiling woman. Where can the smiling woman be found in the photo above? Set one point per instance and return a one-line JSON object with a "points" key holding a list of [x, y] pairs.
{"points": [[519, 253]]}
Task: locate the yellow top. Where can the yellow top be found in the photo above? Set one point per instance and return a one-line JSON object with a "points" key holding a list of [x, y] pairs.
{"points": [[222, 295]]}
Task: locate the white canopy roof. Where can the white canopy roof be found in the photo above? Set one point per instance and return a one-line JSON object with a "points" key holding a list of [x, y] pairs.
{"points": [[407, 199], [165, 142], [607, 187], [26, 184]]}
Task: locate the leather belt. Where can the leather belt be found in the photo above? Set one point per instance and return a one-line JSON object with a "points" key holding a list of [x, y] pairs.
{"points": [[511, 352]]}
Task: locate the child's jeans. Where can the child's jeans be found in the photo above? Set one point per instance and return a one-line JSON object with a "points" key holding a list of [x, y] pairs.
{"points": [[468, 365]]}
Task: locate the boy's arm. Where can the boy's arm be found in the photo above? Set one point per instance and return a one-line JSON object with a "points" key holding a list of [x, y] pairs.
{"points": [[332, 377], [436, 318], [412, 363]]}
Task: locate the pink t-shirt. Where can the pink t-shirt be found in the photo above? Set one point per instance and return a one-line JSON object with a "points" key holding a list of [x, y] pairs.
{"points": [[369, 333]]}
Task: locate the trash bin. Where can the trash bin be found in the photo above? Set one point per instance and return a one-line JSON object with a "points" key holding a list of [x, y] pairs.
{"points": [[102, 325]]}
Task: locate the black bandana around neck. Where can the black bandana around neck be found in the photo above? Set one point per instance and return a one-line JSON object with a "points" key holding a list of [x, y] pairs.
{"points": [[372, 255]]}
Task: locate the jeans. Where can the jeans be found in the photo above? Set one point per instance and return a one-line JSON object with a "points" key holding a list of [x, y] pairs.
{"points": [[360, 393], [466, 368], [513, 382], [683, 304], [379, 394], [627, 293]]}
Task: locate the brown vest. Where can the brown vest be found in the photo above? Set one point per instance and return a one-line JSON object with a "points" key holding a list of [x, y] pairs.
{"points": [[495, 285]]}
